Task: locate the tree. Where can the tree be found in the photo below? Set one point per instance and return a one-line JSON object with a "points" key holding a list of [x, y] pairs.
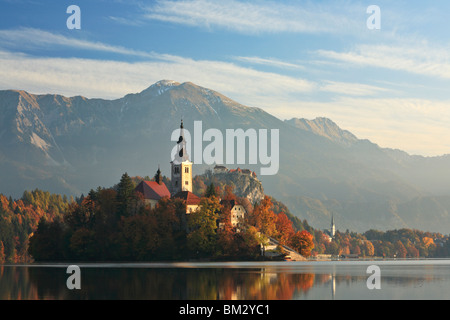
{"points": [[83, 244], [263, 218], [81, 215], [47, 242], [284, 229], [202, 224], [412, 251], [368, 248], [331, 248], [302, 242], [2, 252], [170, 231], [226, 231], [248, 242], [125, 193], [211, 191], [138, 237], [400, 249], [107, 207]]}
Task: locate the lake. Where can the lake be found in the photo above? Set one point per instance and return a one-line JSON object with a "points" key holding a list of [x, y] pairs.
{"points": [[308, 280]]}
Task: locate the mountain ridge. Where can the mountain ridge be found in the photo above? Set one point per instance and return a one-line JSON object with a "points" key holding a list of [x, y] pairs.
{"points": [[72, 144]]}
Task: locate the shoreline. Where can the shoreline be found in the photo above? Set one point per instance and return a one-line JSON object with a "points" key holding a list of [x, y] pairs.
{"points": [[231, 264]]}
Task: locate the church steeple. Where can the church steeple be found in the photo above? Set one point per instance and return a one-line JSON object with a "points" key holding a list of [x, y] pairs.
{"points": [[181, 146], [181, 166], [333, 227]]}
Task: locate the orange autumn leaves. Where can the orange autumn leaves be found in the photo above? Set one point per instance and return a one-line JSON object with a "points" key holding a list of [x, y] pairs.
{"points": [[280, 228]]}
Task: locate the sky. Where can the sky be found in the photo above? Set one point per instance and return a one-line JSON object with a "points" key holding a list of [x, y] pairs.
{"points": [[302, 59]]}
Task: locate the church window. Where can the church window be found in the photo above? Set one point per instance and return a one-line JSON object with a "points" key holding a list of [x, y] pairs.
{"points": [[186, 170]]}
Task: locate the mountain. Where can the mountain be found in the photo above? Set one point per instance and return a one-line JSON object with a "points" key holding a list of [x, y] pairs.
{"points": [[69, 145], [326, 128]]}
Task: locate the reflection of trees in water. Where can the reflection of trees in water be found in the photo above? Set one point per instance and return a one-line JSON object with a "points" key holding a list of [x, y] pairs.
{"points": [[152, 284], [248, 284], [15, 284], [173, 283], [267, 286]]}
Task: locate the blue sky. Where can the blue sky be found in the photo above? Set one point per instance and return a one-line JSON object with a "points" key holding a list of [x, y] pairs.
{"points": [[302, 59]]}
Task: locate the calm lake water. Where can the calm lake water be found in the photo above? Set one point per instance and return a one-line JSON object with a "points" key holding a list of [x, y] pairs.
{"points": [[318, 280]]}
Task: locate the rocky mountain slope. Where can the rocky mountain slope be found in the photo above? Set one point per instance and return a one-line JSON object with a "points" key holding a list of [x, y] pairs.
{"points": [[69, 145]]}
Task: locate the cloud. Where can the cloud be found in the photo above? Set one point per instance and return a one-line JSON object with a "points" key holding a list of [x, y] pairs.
{"points": [[126, 21], [352, 89], [252, 17], [74, 76], [417, 58], [414, 125], [34, 38], [269, 62]]}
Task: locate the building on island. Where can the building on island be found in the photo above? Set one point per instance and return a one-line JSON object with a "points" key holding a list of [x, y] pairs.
{"points": [[191, 200], [238, 212], [153, 191], [220, 169], [181, 184]]}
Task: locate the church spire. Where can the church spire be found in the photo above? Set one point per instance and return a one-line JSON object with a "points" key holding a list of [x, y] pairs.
{"points": [[181, 145], [333, 226]]}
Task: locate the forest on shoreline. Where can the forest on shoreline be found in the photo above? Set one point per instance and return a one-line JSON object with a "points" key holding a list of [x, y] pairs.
{"points": [[112, 224]]}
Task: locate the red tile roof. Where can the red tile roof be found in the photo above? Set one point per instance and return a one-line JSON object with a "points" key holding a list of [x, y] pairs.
{"points": [[189, 197], [152, 190]]}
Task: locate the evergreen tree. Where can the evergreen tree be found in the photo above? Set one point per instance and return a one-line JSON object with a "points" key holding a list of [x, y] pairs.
{"points": [[125, 193], [211, 191]]}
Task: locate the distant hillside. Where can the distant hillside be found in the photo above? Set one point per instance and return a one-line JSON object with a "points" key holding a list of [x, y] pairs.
{"points": [[68, 145]]}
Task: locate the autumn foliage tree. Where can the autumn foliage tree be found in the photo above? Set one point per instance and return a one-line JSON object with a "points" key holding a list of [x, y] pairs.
{"points": [[263, 218], [226, 232], [285, 230], [302, 242]]}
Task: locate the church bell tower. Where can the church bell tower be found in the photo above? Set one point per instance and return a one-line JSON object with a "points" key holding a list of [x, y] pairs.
{"points": [[181, 172]]}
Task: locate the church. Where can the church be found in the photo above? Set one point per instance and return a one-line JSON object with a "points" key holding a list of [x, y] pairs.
{"points": [[181, 177], [330, 233], [181, 185]]}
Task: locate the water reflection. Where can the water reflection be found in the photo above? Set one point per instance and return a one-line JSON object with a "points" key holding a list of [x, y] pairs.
{"points": [[209, 283]]}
